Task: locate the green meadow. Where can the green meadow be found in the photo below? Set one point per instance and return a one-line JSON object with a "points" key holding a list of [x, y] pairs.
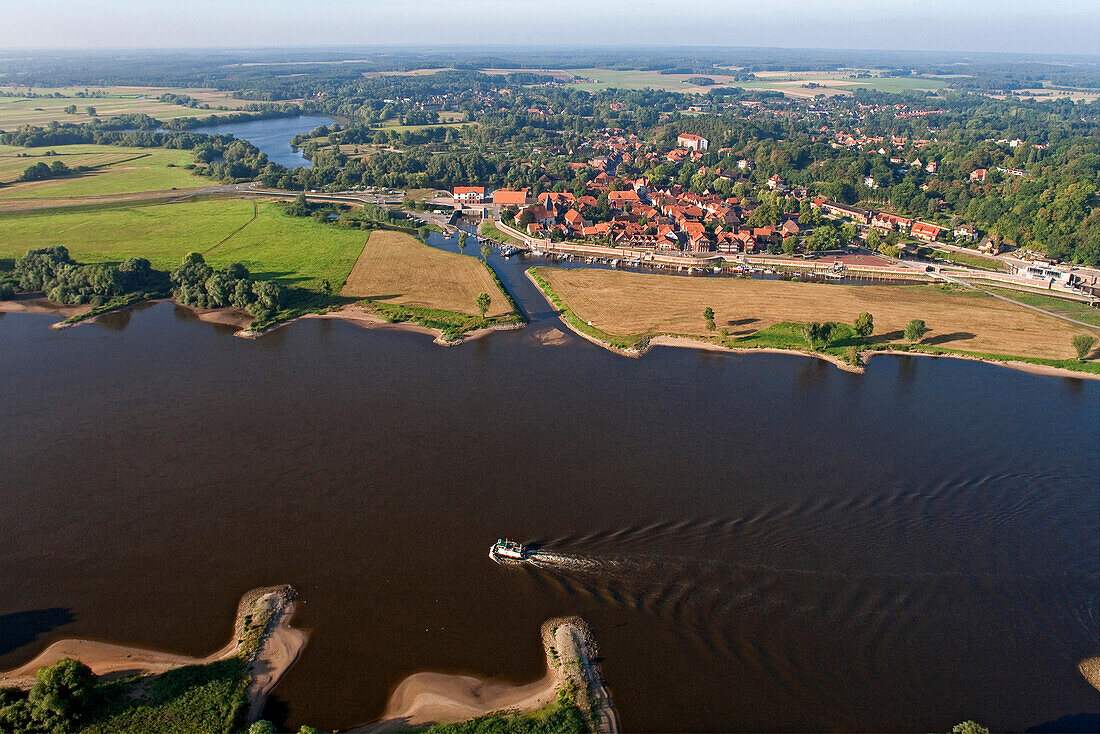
{"points": [[116, 170], [17, 111], [292, 251]]}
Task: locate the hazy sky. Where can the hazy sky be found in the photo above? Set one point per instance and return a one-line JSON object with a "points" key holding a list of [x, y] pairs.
{"points": [[1054, 26]]}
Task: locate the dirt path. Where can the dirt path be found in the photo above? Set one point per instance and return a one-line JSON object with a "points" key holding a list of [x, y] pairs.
{"points": [[234, 233]]}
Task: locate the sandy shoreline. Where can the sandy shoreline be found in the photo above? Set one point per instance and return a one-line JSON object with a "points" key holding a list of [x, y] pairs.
{"points": [[39, 304], [1090, 668], [429, 697], [279, 647], [369, 320]]}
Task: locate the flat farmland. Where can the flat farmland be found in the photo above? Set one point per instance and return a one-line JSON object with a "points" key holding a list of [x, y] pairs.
{"points": [[163, 233], [292, 251], [118, 170], [16, 111], [790, 83], [396, 268], [625, 304]]}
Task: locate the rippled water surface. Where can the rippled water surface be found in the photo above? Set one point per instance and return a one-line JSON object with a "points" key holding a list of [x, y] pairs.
{"points": [[760, 542]]}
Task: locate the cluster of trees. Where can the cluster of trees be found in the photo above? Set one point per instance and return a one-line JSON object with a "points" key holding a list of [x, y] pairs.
{"points": [[64, 280], [194, 283], [62, 697], [42, 172]]}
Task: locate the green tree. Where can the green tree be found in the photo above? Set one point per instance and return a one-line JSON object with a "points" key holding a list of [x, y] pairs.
{"points": [[483, 301], [1083, 344], [915, 331], [70, 110], [865, 324], [61, 695], [812, 332], [268, 294], [486, 250], [91, 111], [300, 207], [873, 239], [422, 232], [708, 317], [848, 232], [462, 237], [263, 726]]}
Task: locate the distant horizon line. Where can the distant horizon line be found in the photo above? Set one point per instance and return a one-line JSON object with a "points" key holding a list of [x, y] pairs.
{"points": [[532, 47]]}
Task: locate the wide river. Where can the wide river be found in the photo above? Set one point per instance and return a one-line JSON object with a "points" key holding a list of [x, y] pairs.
{"points": [[760, 542]]}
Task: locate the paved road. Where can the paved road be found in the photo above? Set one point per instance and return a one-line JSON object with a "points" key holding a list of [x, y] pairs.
{"points": [[957, 281]]}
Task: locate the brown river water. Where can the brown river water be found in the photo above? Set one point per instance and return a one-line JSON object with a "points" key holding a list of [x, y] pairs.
{"points": [[760, 542]]}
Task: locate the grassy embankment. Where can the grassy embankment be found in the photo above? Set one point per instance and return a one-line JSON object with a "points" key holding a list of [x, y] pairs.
{"points": [[115, 170], [402, 279], [490, 230], [626, 310], [974, 260]]}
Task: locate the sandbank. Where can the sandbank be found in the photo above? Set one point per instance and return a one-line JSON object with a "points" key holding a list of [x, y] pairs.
{"points": [[278, 648], [367, 319], [429, 697], [1090, 668]]}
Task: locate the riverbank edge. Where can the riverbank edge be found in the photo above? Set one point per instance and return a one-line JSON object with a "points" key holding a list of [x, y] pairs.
{"points": [[1090, 669], [569, 646], [268, 652], [241, 320], [357, 314], [692, 342]]}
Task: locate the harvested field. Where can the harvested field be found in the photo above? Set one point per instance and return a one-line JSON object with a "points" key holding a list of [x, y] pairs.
{"points": [[395, 268], [624, 303]]}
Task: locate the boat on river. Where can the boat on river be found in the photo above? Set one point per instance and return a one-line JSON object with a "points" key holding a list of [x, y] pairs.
{"points": [[508, 550]]}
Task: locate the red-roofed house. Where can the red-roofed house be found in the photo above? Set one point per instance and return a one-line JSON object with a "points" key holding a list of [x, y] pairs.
{"points": [[619, 199], [978, 174], [542, 215], [507, 197], [692, 142], [469, 194], [926, 232], [574, 219]]}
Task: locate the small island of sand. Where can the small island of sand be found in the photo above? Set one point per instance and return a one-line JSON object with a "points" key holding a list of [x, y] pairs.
{"points": [[427, 698]]}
